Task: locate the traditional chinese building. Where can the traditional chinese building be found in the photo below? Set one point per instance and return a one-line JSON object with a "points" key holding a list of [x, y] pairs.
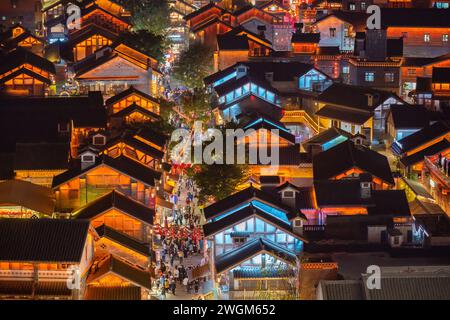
{"points": [[45, 259], [251, 238], [24, 73], [113, 69]]}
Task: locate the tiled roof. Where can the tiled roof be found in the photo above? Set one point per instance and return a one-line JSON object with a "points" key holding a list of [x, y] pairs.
{"points": [[346, 156], [252, 247], [117, 200], [123, 239], [427, 134], [28, 195], [337, 113], [122, 269], [409, 116], [42, 240], [126, 93], [113, 293], [122, 164], [241, 197], [430, 151], [41, 156], [21, 56], [342, 290], [305, 38], [212, 228]]}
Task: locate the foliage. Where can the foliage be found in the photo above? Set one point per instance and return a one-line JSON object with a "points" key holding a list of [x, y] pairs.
{"points": [[146, 42], [193, 65], [218, 181], [150, 15], [196, 105]]}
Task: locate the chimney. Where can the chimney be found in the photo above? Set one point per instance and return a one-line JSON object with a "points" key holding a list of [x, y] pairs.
{"points": [[376, 44], [262, 30], [365, 182]]}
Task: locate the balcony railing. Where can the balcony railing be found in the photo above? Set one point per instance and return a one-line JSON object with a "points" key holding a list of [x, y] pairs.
{"points": [[29, 274], [437, 172]]}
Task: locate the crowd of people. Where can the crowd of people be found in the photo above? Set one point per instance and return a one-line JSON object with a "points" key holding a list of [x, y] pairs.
{"points": [[179, 256]]}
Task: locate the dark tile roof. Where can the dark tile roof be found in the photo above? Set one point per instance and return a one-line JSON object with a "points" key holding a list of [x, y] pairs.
{"points": [[42, 240], [305, 38], [28, 195], [339, 193], [269, 179], [347, 193], [345, 156], [42, 156], [123, 239], [326, 136], [131, 90], [389, 202], [42, 289], [264, 122], [352, 116], [204, 9], [252, 247], [434, 149], [135, 143], [135, 108], [394, 47], [422, 62], [239, 198], [415, 17], [149, 134], [122, 164], [354, 96], [243, 214], [113, 293], [83, 34], [241, 30], [36, 119], [6, 165], [9, 42], [342, 290], [441, 75], [427, 134], [119, 201], [232, 42], [21, 56], [425, 286], [409, 116], [124, 270], [282, 71], [329, 50]]}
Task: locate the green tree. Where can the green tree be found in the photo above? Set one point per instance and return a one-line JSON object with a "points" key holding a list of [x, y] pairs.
{"points": [[150, 15], [196, 104], [146, 42], [193, 65], [217, 181]]}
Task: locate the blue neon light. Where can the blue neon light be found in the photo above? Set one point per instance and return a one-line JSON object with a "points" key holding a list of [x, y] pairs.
{"points": [[268, 121], [280, 215], [225, 79], [333, 142]]}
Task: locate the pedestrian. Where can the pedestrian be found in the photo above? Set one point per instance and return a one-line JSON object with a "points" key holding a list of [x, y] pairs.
{"points": [[196, 286], [173, 285]]}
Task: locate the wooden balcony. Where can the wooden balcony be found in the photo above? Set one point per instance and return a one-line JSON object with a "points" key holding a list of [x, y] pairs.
{"points": [[438, 173]]}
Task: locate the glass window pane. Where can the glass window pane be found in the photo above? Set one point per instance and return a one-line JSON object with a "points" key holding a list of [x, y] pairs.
{"points": [[259, 225]]}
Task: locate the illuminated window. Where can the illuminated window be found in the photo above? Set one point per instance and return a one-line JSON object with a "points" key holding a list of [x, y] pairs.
{"points": [[389, 77], [332, 32], [445, 38], [426, 37], [369, 77]]}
